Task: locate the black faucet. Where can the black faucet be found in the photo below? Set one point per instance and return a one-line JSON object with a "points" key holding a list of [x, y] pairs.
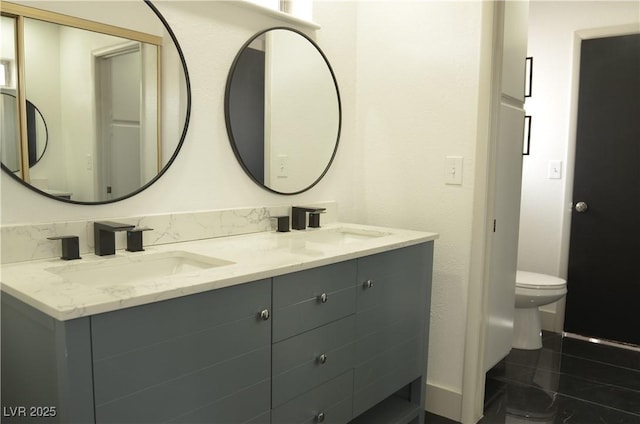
{"points": [[299, 217], [104, 238], [70, 247]]}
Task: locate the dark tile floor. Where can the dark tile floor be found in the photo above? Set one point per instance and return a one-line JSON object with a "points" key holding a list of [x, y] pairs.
{"points": [[568, 381]]}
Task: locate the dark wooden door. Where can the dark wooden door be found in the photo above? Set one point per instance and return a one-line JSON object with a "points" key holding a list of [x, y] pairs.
{"points": [[604, 256]]}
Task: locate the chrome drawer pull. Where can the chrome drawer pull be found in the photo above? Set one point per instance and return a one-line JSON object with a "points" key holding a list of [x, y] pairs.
{"points": [[322, 358], [323, 298], [320, 417], [367, 284], [264, 314]]}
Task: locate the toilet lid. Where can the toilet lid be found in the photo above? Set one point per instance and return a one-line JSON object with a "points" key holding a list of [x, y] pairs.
{"points": [[535, 280]]}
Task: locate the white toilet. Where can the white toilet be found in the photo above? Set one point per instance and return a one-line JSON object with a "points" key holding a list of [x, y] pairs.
{"points": [[532, 291]]}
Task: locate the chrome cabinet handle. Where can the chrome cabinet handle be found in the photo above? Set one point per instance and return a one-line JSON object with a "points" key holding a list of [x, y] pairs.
{"points": [[581, 207], [265, 314], [320, 417], [367, 284], [322, 358], [323, 298]]}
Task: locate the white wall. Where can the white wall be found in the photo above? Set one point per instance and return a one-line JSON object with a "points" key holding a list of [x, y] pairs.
{"points": [[545, 202], [417, 102]]}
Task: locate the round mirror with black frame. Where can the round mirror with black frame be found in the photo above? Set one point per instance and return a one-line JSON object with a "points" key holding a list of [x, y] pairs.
{"points": [[37, 134], [122, 113], [283, 111]]}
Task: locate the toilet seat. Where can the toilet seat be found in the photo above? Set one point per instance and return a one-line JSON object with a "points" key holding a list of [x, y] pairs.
{"points": [[534, 280]]}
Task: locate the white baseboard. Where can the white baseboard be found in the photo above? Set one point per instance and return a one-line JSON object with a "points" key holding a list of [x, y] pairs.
{"points": [[443, 402]]}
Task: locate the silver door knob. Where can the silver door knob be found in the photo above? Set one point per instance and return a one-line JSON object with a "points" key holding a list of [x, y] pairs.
{"points": [[322, 358], [367, 284], [320, 417], [581, 207], [264, 314], [323, 298]]}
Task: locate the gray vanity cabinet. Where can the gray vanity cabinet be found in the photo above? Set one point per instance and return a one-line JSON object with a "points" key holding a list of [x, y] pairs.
{"points": [[340, 343], [200, 358]]}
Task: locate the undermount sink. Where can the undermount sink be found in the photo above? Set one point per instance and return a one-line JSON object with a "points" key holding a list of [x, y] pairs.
{"points": [[339, 236], [132, 269]]}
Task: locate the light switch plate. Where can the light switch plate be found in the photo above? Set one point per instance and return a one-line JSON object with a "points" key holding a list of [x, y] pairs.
{"points": [[453, 170], [283, 166], [555, 170]]}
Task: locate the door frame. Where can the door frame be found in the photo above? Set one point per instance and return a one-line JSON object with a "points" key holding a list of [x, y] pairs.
{"points": [[471, 403], [570, 160], [101, 161], [472, 398]]}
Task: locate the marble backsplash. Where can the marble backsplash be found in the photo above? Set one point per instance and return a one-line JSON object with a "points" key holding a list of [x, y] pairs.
{"points": [[26, 242]]}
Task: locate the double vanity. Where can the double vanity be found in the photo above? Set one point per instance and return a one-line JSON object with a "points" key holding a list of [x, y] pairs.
{"points": [[322, 325]]}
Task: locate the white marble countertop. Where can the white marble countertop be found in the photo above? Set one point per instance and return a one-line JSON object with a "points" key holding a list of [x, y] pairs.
{"points": [[252, 257]]}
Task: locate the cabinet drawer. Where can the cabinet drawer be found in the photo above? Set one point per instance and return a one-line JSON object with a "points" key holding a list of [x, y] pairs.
{"points": [[333, 399], [308, 299], [312, 358]]}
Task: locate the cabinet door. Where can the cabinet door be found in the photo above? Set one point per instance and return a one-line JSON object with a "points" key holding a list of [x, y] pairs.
{"points": [[391, 322], [199, 358], [504, 240], [514, 48]]}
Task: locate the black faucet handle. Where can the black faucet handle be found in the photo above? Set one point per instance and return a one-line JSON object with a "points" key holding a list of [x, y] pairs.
{"points": [[314, 217], [283, 223], [70, 247], [134, 239]]}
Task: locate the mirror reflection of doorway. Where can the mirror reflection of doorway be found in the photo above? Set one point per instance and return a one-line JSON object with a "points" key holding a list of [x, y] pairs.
{"points": [[119, 137], [247, 111]]}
